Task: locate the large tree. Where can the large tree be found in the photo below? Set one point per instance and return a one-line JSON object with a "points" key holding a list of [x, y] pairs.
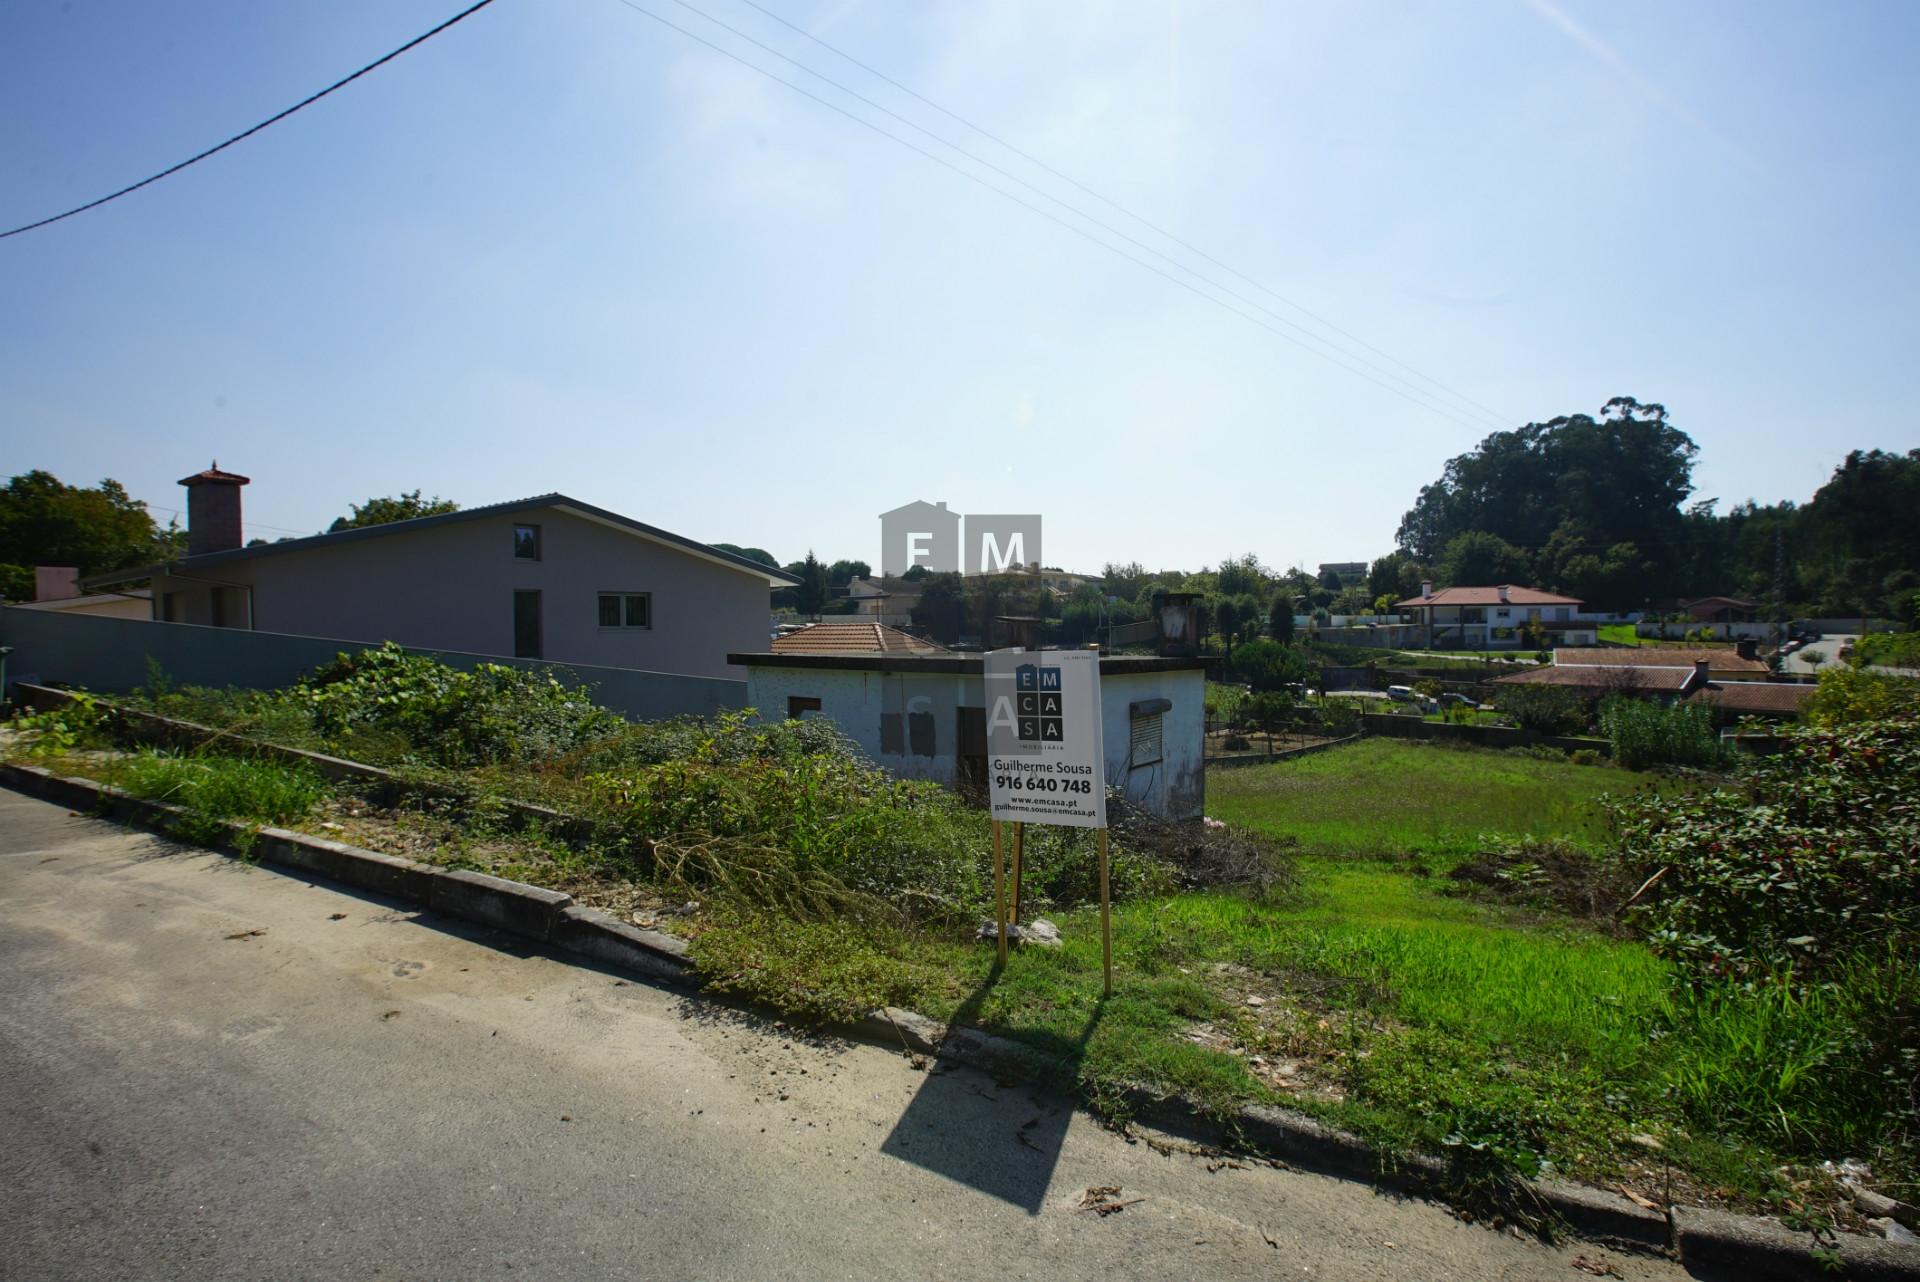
{"points": [[44, 522], [390, 508], [1619, 478]]}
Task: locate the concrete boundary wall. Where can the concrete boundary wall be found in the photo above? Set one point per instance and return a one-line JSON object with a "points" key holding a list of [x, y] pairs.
{"points": [[111, 655], [1396, 726]]}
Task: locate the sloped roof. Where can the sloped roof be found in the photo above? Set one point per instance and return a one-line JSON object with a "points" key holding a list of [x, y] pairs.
{"points": [[853, 638], [1622, 677], [1779, 698], [1490, 596], [559, 502], [1654, 656]]}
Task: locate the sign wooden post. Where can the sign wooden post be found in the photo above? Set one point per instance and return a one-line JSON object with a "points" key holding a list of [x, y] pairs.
{"points": [[1106, 926], [1019, 848], [999, 895], [1047, 762]]}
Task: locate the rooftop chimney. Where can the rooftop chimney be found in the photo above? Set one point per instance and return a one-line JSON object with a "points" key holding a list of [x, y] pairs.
{"points": [[55, 582], [1700, 677], [1426, 587], [213, 510], [1747, 648], [1503, 594]]}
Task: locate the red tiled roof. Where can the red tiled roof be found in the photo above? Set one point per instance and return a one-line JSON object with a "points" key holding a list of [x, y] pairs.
{"points": [[1780, 697], [215, 474], [853, 638], [1656, 656], [1595, 677], [1489, 596]]}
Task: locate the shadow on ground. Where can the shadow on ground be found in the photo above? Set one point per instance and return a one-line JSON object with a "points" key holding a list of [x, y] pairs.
{"points": [[1000, 1137]]}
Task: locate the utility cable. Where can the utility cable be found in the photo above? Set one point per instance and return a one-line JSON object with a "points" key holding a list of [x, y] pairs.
{"points": [[1114, 204], [1054, 218], [240, 137], [1044, 194]]}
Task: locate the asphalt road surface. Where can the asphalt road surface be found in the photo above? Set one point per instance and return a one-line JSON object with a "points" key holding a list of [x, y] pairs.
{"points": [[211, 1071]]}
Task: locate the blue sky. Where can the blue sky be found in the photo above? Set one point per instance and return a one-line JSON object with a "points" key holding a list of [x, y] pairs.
{"points": [[562, 247]]}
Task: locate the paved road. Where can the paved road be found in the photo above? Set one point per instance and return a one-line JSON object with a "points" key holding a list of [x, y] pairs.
{"points": [[211, 1071], [1828, 646]]}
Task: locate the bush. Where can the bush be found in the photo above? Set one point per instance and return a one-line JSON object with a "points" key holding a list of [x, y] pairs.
{"points": [[1847, 695], [1889, 649], [1644, 733], [217, 789], [450, 717], [1814, 860], [1543, 709]]}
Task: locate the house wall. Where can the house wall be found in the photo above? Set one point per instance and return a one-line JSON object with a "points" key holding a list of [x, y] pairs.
{"points": [[450, 587], [856, 700], [106, 654], [104, 605]]}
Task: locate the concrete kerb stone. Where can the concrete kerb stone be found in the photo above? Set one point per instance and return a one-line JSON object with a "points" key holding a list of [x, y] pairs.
{"points": [[1742, 1246], [511, 906], [1718, 1244]]}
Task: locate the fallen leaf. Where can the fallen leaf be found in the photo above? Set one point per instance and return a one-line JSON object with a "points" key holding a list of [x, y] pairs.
{"points": [[1644, 1203], [249, 934], [336, 916], [392, 1014], [1599, 1268]]}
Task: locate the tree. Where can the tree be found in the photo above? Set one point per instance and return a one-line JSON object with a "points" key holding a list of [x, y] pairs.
{"points": [[941, 611], [1268, 665], [841, 573], [1268, 711], [99, 529], [915, 573], [761, 555], [810, 596], [1123, 580], [1280, 618], [1618, 478], [1240, 575], [385, 511], [1330, 580], [1477, 558]]}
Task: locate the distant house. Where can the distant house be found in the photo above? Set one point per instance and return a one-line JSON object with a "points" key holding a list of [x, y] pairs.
{"points": [[548, 577], [887, 599], [56, 588], [923, 716], [1494, 618], [1721, 679], [1719, 609], [1350, 572], [853, 638]]}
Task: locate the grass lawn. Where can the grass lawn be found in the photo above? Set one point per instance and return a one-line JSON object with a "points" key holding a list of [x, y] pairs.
{"points": [[1390, 798], [1619, 634]]}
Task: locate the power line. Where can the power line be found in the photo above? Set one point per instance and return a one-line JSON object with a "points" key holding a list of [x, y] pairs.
{"points": [[270, 120], [1044, 194], [1106, 200], [1077, 230]]}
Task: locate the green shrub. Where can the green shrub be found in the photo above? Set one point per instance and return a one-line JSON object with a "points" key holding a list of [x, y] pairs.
{"points": [[450, 717], [1847, 695], [79, 724], [1813, 860], [1585, 756], [1889, 649], [1644, 733], [1543, 709]]}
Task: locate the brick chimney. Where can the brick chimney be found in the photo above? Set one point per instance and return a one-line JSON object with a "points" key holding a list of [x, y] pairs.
{"points": [[1699, 680], [213, 510], [56, 582]]}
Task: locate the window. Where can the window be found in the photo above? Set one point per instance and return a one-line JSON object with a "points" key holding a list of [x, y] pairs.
{"points": [[920, 733], [170, 607], [526, 625], [1146, 740], [526, 543], [800, 703], [217, 607], [626, 609]]}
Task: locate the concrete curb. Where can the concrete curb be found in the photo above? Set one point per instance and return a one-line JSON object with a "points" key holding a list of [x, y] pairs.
{"points": [[1743, 1246]]}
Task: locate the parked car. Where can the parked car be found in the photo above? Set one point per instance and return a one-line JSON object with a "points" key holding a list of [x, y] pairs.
{"points": [[1402, 694], [1458, 700]]}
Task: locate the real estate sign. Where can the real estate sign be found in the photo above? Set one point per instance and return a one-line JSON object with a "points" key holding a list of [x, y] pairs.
{"points": [[1045, 762]]}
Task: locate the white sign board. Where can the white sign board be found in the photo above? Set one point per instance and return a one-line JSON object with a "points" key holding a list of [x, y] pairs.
{"points": [[1045, 760]]}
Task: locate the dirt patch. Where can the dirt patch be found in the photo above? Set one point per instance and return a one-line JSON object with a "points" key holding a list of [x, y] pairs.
{"points": [[1548, 875]]}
